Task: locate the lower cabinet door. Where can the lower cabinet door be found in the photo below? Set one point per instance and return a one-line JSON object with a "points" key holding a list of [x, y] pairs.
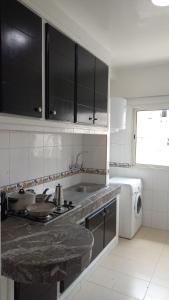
{"points": [[95, 223], [98, 235], [35, 291], [110, 222]]}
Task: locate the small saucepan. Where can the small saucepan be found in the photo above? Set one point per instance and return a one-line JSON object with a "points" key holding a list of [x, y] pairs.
{"points": [[41, 209], [44, 197]]}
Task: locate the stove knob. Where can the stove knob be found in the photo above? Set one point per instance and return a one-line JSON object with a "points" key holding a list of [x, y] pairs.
{"points": [[65, 203], [70, 203]]}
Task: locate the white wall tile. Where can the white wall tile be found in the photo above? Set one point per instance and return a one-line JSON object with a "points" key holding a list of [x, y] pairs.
{"points": [[4, 167], [94, 140], [147, 200], [147, 218], [4, 139], [36, 162], [52, 140], [95, 157], [19, 165], [159, 220], [160, 180], [36, 139], [19, 139], [160, 201], [116, 153], [50, 154], [67, 157], [68, 139]]}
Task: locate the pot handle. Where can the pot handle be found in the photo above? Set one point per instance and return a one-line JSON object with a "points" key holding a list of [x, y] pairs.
{"points": [[48, 197], [21, 191], [44, 192]]}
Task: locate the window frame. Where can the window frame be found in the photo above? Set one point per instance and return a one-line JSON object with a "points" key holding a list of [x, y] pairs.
{"points": [[134, 136]]}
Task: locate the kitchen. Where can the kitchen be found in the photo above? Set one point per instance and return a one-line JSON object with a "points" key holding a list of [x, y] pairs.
{"points": [[61, 140]]}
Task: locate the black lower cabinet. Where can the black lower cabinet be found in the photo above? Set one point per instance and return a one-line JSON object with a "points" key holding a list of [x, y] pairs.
{"points": [[110, 222], [102, 224], [95, 223], [35, 291]]}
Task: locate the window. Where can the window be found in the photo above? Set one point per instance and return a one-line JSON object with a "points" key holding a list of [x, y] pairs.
{"points": [[152, 137]]}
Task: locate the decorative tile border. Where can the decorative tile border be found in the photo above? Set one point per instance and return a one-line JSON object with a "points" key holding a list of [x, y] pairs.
{"points": [[34, 182], [120, 165]]}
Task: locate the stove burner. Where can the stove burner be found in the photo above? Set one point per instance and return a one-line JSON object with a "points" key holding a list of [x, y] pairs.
{"points": [[62, 210], [52, 216], [40, 219]]}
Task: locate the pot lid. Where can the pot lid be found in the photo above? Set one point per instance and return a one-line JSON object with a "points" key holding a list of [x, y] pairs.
{"points": [[21, 194]]}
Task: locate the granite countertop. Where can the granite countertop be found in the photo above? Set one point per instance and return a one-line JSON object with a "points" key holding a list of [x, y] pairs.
{"points": [[34, 252], [43, 253]]}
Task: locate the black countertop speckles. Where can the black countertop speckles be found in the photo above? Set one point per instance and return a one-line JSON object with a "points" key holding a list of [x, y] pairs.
{"points": [[33, 252]]}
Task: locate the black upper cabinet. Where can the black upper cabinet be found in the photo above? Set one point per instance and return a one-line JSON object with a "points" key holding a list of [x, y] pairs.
{"points": [[101, 91], [21, 60], [85, 67], [92, 82], [60, 76]]}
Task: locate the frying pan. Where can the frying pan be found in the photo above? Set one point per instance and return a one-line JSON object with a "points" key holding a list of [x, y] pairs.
{"points": [[41, 209]]}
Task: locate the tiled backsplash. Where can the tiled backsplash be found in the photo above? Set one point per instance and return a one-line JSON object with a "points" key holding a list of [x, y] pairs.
{"points": [[29, 155]]}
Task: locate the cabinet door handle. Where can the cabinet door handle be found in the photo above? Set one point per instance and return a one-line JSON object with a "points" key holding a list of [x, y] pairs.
{"points": [[38, 109], [95, 119], [53, 112], [90, 118]]}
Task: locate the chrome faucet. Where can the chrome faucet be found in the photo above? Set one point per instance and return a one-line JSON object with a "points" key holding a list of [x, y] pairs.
{"points": [[77, 166]]}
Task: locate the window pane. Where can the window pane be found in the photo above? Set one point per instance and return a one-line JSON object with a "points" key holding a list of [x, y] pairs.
{"points": [[153, 137]]}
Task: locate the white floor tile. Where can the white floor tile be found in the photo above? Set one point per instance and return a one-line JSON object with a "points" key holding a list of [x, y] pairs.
{"points": [[91, 291], [103, 277], [131, 286], [161, 274], [136, 269], [156, 292], [131, 267]]}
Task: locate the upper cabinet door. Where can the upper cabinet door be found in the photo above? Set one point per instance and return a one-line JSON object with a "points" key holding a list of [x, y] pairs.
{"points": [[101, 93], [60, 75], [21, 60], [85, 66]]}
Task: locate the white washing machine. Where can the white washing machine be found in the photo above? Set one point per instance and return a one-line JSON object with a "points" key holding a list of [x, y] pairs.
{"points": [[130, 205]]}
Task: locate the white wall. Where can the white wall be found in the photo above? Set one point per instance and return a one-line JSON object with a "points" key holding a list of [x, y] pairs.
{"points": [[155, 181], [139, 82]]}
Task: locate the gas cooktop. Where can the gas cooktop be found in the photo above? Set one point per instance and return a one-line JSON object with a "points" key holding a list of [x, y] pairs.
{"points": [[47, 219]]}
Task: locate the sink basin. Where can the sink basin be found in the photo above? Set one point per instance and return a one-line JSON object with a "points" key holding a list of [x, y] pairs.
{"points": [[86, 189], [78, 192]]}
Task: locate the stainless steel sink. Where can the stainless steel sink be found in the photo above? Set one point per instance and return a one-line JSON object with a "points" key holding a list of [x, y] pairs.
{"points": [[80, 191], [86, 189]]}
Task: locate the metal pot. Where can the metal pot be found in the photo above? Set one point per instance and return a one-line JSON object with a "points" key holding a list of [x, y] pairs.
{"points": [[20, 200]]}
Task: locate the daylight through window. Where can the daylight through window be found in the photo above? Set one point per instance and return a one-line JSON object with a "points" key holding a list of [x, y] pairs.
{"points": [[152, 137]]}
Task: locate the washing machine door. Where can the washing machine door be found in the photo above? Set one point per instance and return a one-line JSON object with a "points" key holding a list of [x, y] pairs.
{"points": [[138, 205]]}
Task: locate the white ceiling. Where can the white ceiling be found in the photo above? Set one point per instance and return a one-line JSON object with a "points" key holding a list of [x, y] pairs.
{"points": [[135, 31]]}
